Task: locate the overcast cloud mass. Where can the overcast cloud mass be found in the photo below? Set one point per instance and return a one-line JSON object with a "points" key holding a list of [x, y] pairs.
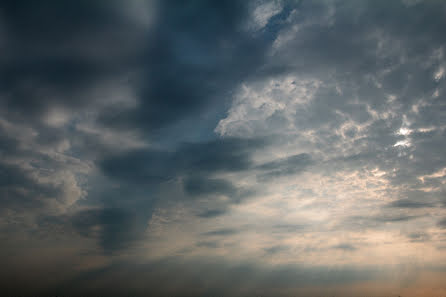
{"points": [[223, 148]]}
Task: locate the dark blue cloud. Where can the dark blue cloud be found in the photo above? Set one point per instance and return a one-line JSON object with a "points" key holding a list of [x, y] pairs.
{"points": [[201, 186], [13, 181], [211, 213], [115, 228], [148, 166]]}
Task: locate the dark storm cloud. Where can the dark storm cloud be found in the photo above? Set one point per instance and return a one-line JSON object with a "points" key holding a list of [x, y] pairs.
{"points": [[8, 144], [188, 58], [54, 54], [148, 166], [197, 54], [54, 51], [140, 166], [184, 63]]}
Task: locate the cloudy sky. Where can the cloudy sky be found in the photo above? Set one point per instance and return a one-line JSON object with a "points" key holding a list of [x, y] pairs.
{"points": [[223, 148]]}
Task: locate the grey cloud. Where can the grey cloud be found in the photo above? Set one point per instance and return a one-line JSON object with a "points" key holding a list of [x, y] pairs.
{"points": [[346, 29], [115, 228], [354, 62], [442, 223], [275, 249], [419, 237], [141, 173], [192, 64], [73, 49], [288, 228], [206, 189], [9, 145], [345, 247], [50, 55], [201, 186], [286, 166], [394, 218], [224, 155], [221, 232], [141, 166], [407, 203], [20, 191], [208, 244], [57, 56], [212, 213], [375, 221]]}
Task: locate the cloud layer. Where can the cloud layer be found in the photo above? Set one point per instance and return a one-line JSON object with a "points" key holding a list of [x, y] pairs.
{"points": [[240, 148]]}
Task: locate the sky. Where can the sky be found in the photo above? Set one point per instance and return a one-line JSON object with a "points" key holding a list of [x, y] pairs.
{"points": [[223, 148]]}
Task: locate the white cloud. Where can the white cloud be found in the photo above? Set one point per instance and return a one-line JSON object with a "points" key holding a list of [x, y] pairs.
{"points": [[439, 74], [267, 107], [264, 12]]}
